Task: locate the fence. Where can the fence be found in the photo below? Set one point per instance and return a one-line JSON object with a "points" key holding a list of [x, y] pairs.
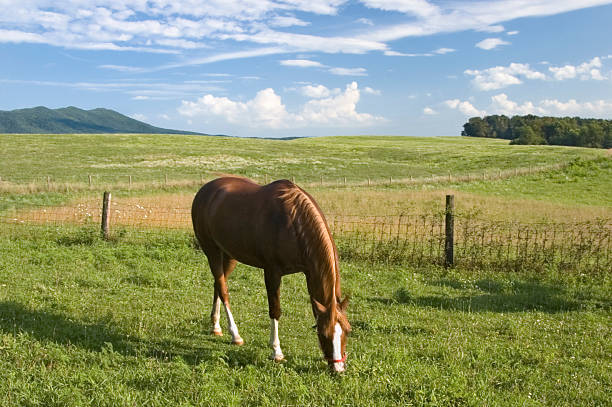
{"points": [[402, 238]]}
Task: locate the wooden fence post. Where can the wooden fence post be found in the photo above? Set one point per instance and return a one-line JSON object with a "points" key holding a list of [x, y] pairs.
{"points": [[106, 214], [450, 225]]}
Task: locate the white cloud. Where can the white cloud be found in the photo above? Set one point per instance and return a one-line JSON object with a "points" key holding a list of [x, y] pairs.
{"points": [[512, 32], [315, 92], [466, 15], [371, 91], [420, 8], [503, 76], [429, 111], [266, 110], [340, 109], [365, 21], [464, 107], [287, 21], [492, 29], [169, 26], [564, 72], [502, 104], [491, 43], [306, 63], [302, 63], [442, 51], [349, 71], [553, 107], [586, 70]]}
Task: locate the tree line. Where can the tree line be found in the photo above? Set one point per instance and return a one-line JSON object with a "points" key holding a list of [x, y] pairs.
{"points": [[530, 129]]}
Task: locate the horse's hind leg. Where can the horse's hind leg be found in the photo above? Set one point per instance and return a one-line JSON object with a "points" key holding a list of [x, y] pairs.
{"points": [[221, 266], [215, 314]]}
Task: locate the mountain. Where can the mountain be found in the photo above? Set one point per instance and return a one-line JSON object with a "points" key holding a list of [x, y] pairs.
{"points": [[74, 120]]}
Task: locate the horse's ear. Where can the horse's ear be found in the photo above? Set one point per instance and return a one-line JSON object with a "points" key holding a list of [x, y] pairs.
{"points": [[319, 308], [344, 304]]}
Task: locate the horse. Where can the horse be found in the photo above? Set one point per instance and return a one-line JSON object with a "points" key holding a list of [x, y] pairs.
{"points": [[279, 228]]}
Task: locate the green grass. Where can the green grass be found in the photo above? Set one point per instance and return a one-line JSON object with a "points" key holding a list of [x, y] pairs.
{"points": [[149, 158], [584, 183], [88, 322]]}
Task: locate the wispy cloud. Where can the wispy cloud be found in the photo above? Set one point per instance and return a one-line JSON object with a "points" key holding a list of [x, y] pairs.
{"points": [[165, 26], [302, 63], [136, 90], [307, 63]]}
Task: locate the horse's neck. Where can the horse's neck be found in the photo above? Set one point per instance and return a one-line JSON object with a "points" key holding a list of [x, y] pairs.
{"points": [[317, 247], [321, 287]]}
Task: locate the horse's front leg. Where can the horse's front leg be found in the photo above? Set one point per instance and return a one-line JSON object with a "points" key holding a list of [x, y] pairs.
{"points": [[273, 280]]}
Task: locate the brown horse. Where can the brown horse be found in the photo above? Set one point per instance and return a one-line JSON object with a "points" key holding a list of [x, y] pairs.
{"points": [[280, 228]]}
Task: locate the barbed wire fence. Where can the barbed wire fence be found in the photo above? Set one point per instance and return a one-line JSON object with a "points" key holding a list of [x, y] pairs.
{"points": [[404, 238]]}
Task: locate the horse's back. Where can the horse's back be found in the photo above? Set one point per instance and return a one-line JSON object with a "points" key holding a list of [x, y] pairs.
{"points": [[247, 221]]}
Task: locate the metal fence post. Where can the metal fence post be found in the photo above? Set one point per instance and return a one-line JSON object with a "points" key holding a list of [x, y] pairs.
{"points": [[450, 225], [106, 214]]}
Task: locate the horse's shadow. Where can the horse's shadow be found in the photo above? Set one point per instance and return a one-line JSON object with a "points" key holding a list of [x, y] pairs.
{"points": [[45, 325], [492, 296], [99, 336]]}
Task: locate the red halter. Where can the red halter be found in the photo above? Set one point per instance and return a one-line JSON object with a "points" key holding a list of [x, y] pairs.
{"points": [[330, 360]]}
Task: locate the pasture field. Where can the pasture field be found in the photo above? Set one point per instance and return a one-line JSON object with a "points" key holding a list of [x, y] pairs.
{"points": [[125, 322], [111, 159], [89, 322]]}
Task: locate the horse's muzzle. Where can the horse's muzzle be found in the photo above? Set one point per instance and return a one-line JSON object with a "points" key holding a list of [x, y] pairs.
{"points": [[337, 366]]}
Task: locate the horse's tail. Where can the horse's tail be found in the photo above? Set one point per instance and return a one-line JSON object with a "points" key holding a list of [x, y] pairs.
{"points": [[313, 235]]}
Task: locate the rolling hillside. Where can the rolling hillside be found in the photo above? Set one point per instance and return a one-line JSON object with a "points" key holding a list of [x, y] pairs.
{"points": [[40, 120]]}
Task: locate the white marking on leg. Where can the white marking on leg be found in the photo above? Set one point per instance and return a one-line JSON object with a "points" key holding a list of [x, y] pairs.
{"points": [[236, 339], [215, 316], [337, 348], [277, 353]]}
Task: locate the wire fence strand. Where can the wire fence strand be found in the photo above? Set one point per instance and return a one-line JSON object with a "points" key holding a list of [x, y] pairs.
{"points": [[403, 238]]}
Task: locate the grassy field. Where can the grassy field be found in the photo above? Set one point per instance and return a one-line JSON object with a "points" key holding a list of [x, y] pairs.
{"points": [[149, 158], [87, 322], [125, 322]]}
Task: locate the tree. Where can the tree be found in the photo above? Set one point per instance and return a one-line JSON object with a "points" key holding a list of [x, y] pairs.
{"points": [[530, 129], [526, 135]]}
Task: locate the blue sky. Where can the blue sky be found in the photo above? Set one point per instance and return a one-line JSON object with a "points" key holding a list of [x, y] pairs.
{"points": [[279, 68]]}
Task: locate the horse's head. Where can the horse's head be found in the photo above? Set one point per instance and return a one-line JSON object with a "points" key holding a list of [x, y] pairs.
{"points": [[332, 329]]}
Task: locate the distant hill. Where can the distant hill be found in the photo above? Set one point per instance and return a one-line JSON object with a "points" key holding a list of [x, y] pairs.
{"points": [[74, 120]]}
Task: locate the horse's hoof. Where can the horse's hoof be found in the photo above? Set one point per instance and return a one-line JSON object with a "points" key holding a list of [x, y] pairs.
{"points": [[278, 358], [238, 342], [216, 332]]}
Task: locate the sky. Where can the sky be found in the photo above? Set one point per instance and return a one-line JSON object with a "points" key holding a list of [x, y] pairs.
{"points": [[294, 68]]}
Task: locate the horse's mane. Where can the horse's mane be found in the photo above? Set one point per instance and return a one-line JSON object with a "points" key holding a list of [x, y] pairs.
{"points": [[313, 236]]}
